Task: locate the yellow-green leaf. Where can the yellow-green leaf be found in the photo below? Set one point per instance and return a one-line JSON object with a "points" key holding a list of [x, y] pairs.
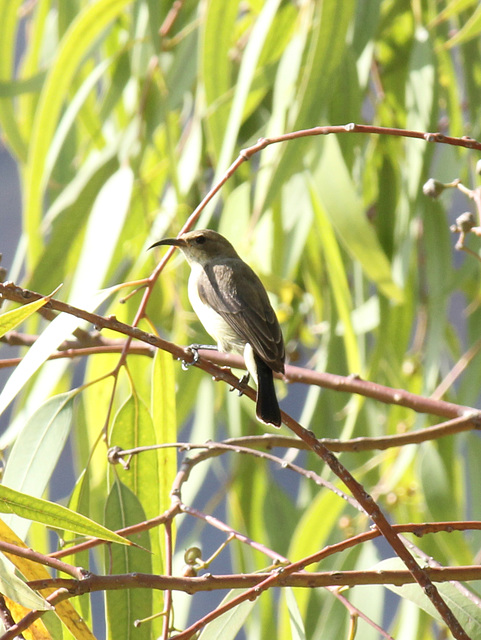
{"points": [[53, 515]]}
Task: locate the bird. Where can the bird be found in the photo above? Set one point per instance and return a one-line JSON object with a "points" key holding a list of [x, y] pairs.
{"points": [[234, 308]]}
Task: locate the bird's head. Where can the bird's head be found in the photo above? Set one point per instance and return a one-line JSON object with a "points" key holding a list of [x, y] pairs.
{"points": [[201, 246]]}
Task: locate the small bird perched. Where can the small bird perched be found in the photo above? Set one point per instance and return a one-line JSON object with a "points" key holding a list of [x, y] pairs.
{"points": [[232, 304]]}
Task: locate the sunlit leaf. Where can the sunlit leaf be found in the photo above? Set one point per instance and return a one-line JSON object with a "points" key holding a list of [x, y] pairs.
{"points": [[11, 319], [466, 611], [228, 625], [35, 571], [15, 589], [125, 606], [79, 38], [53, 515]]}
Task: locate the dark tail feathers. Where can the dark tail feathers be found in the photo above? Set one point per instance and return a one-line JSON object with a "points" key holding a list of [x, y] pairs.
{"points": [[267, 407]]}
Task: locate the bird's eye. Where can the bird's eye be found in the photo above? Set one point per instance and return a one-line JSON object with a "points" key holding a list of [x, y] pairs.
{"points": [[200, 240]]}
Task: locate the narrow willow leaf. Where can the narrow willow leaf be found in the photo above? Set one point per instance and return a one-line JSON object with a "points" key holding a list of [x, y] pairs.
{"points": [[78, 39], [104, 226], [127, 605], [56, 332], [420, 106], [338, 281], [53, 515], [217, 67], [437, 484], [133, 428], [164, 420], [35, 571], [80, 503], [66, 219], [346, 213], [243, 85], [471, 29], [454, 8], [323, 54], [298, 631], [228, 625], [466, 611], [71, 113], [313, 531], [11, 319], [17, 87], [8, 115], [37, 450], [15, 589]]}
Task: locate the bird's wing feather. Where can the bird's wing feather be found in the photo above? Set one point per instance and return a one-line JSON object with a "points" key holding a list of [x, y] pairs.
{"points": [[239, 297]]}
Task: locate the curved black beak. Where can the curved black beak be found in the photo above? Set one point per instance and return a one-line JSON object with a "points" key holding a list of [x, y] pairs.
{"points": [[175, 242]]}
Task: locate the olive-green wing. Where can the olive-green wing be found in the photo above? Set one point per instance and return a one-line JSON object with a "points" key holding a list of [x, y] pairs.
{"points": [[233, 290]]}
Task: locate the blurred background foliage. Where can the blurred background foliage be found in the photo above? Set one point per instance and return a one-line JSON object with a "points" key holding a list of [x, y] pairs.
{"points": [[119, 131]]}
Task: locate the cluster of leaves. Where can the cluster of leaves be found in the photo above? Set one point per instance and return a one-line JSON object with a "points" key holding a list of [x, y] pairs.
{"points": [[121, 115]]}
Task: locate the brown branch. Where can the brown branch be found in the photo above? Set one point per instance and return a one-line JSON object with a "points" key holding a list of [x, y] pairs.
{"points": [[208, 360], [190, 585], [234, 445], [381, 522], [170, 18], [209, 582], [243, 444], [6, 616], [141, 350], [34, 556], [67, 588]]}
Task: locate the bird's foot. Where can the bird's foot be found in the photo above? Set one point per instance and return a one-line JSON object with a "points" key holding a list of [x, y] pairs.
{"points": [[194, 349], [243, 382]]}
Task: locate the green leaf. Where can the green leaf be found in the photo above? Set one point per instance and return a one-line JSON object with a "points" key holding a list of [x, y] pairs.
{"points": [[217, 69], [313, 531], [338, 281], [15, 589], [164, 421], [132, 428], [344, 208], [78, 39], [8, 116], [466, 611], [66, 219], [53, 515], [56, 332], [11, 319], [127, 605], [72, 112], [17, 87], [37, 450], [468, 31], [454, 8], [243, 85], [324, 52], [228, 625], [80, 503], [103, 230], [298, 631], [437, 484]]}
